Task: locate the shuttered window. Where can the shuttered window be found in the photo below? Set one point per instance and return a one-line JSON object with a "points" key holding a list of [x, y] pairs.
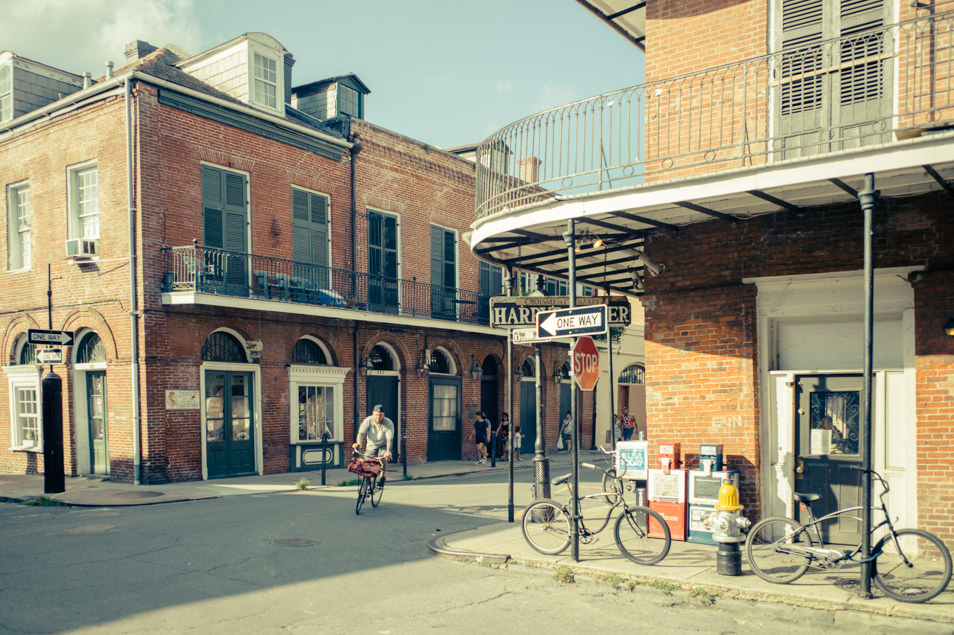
{"points": [[225, 222], [383, 261], [310, 237], [443, 272]]}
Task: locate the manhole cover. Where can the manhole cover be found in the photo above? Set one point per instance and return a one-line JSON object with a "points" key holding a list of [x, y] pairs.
{"points": [[139, 494], [295, 542]]}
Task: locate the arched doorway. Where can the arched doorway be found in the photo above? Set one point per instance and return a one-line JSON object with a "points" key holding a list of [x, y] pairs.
{"points": [[92, 425], [631, 393], [444, 433], [382, 383], [229, 409]]}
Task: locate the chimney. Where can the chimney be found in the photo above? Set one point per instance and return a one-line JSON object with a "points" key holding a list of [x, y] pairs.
{"points": [[530, 169], [109, 70], [138, 49], [87, 80]]}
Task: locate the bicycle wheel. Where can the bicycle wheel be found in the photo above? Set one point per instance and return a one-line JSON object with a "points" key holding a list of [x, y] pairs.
{"points": [[612, 484], [928, 568], [633, 539], [546, 527], [767, 549], [362, 494], [377, 490]]}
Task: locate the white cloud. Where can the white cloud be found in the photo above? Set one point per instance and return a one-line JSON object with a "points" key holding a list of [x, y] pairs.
{"points": [[82, 35]]}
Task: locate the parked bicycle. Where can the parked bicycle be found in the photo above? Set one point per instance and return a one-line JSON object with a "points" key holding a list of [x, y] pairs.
{"points": [[368, 469], [910, 565], [547, 528]]}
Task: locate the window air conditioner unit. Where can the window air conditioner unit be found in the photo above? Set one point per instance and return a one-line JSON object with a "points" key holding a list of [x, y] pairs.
{"points": [[82, 248]]}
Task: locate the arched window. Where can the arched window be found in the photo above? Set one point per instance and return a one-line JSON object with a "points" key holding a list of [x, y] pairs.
{"points": [[222, 347], [528, 368], [381, 359], [633, 374], [308, 352], [90, 350], [441, 362], [25, 352]]}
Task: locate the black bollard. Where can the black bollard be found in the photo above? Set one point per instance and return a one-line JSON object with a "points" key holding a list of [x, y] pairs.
{"points": [[54, 481]]}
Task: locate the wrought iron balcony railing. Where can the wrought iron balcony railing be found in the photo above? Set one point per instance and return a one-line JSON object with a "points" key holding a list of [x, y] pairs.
{"points": [[868, 88], [232, 273]]}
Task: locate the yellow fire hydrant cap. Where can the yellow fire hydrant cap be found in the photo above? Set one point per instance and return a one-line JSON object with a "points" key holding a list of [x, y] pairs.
{"points": [[728, 498]]}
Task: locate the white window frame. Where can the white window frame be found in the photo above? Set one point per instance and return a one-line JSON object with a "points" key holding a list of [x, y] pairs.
{"points": [[307, 376], [25, 377], [19, 236], [265, 77], [84, 200], [6, 93]]}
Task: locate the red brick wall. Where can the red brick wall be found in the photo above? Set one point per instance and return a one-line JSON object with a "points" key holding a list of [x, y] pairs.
{"points": [[701, 328]]}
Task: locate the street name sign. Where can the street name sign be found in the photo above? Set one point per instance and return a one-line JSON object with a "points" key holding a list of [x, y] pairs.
{"points": [[581, 320], [524, 336], [60, 338], [586, 363], [49, 356], [510, 312]]}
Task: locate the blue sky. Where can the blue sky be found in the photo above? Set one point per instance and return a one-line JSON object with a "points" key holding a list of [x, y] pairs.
{"points": [[445, 72]]}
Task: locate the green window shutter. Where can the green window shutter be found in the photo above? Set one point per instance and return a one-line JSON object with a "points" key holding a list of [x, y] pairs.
{"points": [[437, 255], [224, 216]]}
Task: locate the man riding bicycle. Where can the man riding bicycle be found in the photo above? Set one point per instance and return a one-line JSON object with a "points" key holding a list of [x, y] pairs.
{"points": [[378, 431]]}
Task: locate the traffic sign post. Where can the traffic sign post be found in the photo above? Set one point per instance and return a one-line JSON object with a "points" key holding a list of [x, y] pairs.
{"points": [[586, 363], [574, 322]]}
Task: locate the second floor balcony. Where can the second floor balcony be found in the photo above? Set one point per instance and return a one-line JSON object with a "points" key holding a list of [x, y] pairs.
{"points": [[874, 87], [209, 271]]}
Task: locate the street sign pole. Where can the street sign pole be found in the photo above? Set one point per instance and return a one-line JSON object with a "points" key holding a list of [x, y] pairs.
{"points": [[570, 239]]}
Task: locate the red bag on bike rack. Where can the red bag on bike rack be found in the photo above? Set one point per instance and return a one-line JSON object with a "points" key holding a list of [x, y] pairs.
{"points": [[364, 468]]}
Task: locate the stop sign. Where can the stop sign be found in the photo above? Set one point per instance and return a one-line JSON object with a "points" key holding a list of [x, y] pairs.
{"points": [[586, 363]]}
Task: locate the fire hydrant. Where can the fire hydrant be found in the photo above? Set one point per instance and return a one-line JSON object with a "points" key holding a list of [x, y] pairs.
{"points": [[726, 524]]}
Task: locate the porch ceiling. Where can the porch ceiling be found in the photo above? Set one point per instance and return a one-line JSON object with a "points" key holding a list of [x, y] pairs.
{"points": [[626, 17], [531, 238]]}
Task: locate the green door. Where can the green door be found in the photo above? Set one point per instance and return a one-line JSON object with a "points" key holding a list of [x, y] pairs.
{"points": [[230, 438], [444, 434], [96, 415], [382, 262], [528, 415], [827, 436], [383, 389]]}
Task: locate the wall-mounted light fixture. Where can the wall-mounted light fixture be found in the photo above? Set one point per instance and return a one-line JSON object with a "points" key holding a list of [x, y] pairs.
{"points": [[651, 266], [518, 370], [949, 327], [422, 366], [557, 377], [366, 365], [476, 372], [587, 240]]}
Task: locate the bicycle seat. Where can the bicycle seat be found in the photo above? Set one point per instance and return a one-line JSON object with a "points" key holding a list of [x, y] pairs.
{"points": [[806, 498], [563, 479]]}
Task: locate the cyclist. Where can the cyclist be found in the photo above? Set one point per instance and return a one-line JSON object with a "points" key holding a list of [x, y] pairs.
{"points": [[378, 431]]}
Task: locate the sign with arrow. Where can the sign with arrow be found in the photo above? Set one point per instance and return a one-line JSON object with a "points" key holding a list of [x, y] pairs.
{"points": [[59, 338], [581, 320], [49, 356]]}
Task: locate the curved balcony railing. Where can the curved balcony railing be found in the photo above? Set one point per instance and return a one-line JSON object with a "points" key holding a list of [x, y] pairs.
{"points": [[213, 271], [867, 88]]}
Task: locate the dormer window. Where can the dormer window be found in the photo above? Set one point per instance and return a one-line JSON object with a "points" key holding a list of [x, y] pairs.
{"points": [[265, 81]]}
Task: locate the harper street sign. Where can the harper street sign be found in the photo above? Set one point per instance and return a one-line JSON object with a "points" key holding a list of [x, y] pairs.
{"points": [[508, 312], [581, 320]]}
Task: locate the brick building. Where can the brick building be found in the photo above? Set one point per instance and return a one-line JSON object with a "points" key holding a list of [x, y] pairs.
{"points": [[244, 265], [730, 193]]}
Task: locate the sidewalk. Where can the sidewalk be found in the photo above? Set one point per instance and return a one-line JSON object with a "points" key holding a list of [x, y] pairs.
{"points": [[688, 565]]}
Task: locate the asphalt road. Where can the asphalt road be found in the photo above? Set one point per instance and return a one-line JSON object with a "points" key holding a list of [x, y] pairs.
{"points": [[304, 563]]}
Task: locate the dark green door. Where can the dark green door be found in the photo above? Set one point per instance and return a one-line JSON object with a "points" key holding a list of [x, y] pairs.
{"points": [[383, 389], [230, 438], [382, 262], [528, 415], [96, 414], [444, 434], [827, 435]]}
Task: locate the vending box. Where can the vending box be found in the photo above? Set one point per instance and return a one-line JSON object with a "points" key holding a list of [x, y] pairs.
{"points": [[667, 495], [632, 460], [703, 495], [670, 456], [710, 456]]}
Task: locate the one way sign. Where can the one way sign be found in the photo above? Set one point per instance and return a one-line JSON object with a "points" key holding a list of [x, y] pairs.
{"points": [[582, 320], [40, 336]]}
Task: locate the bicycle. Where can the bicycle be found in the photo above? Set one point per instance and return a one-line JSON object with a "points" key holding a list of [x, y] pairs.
{"points": [[910, 565], [368, 468], [546, 524]]}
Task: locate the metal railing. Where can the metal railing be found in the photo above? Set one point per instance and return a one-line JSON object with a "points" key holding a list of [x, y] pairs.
{"points": [[237, 274], [867, 88]]}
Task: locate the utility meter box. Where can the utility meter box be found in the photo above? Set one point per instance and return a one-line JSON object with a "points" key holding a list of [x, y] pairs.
{"points": [[632, 460]]}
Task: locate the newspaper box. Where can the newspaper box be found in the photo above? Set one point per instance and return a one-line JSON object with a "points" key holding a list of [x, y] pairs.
{"points": [[632, 458]]}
